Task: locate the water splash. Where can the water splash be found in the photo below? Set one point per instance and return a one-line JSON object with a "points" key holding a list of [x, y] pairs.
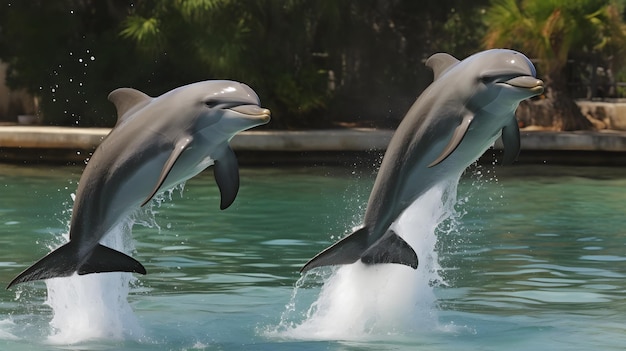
{"points": [[94, 306], [360, 302]]}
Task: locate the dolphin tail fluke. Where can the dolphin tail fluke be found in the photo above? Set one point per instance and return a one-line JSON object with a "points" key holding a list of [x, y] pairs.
{"points": [[391, 248], [64, 261], [104, 259], [61, 262], [345, 251]]}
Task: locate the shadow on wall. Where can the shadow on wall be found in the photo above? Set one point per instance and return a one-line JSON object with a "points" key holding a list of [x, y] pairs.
{"points": [[15, 106]]}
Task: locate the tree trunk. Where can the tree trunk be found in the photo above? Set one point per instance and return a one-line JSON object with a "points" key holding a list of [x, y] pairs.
{"points": [[554, 109]]}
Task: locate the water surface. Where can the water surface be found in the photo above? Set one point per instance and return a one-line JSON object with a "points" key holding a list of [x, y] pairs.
{"points": [[533, 257]]}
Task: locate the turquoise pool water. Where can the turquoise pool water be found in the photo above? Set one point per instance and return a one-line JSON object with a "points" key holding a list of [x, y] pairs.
{"points": [[531, 257]]}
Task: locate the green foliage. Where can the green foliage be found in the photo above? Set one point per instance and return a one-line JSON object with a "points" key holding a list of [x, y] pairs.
{"points": [[554, 31], [313, 62], [144, 30], [267, 44], [589, 32]]}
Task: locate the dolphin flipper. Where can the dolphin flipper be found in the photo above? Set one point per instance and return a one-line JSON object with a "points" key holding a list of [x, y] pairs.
{"points": [[456, 139], [391, 249], [226, 173], [511, 141], [345, 251], [180, 146], [105, 259]]}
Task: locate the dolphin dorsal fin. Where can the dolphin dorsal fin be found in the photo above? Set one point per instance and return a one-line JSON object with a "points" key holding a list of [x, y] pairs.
{"points": [[127, 99], [440, 63]]}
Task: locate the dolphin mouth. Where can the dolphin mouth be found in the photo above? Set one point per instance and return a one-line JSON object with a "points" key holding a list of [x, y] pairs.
{"points": [[253, 111], [526, 82]]}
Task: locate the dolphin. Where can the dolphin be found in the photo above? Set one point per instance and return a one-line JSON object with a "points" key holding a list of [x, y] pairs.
{"points": [[156, 144], [467, 107]]}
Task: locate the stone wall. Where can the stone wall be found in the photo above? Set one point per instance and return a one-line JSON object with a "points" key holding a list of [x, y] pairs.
{"points": [[610, 114]]}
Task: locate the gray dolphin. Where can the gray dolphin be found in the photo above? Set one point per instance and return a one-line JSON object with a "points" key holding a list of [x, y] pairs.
{"points": [[467, 107], [156, 144]]}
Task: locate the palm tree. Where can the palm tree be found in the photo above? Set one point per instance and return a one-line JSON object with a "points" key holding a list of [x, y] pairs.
{"points": [[552, 32]]}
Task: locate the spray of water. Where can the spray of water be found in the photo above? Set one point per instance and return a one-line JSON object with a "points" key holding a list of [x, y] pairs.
{"points": [[95, 306], [360, 302]]}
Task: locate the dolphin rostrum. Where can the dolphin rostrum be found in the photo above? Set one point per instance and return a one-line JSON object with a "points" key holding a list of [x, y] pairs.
{"points": [[469, 105], [156, 144]]}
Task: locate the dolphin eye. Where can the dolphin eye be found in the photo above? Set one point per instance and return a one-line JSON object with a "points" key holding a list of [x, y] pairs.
{"points": [[487, 79], [211, 103]]}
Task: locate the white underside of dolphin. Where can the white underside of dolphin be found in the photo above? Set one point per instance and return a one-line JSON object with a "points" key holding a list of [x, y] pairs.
{"points": [[454, 121], [156, 144]]}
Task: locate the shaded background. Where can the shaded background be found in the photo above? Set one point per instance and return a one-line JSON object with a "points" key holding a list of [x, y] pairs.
{"points": [[314, 63]]}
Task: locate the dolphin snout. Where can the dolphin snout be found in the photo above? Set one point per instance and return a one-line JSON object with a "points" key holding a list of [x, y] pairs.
{"points": [[527, 82], [253, 111]]}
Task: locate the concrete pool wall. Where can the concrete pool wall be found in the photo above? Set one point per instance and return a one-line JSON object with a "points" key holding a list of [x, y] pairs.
{"points": [[66, 145]]}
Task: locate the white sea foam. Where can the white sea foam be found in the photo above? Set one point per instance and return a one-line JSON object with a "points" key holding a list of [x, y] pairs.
{"points": [[94, 306], [359, 302], [6, 330]]}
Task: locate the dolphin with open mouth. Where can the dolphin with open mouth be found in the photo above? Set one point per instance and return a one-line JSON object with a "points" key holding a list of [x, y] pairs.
{"points": [[469, 105], [156, 144]]}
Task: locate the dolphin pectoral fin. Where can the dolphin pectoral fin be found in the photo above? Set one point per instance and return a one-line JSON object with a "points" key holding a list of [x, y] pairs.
{"points": [[456, 139], [226, 173], [440, 63], [391, 249], [511, 141], [61, 262], [345, 251], [104, 259], [180, 146]]}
